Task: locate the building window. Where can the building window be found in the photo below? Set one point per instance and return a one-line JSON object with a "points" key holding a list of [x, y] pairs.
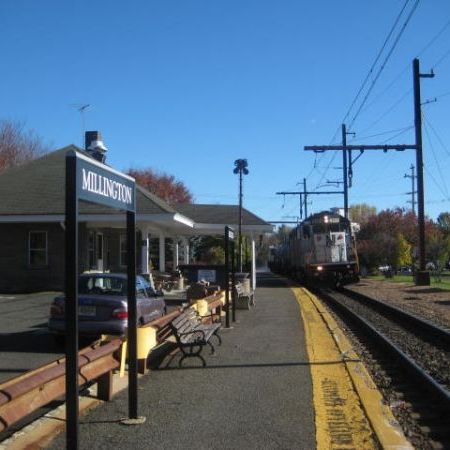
{"points": [[37, 249], [123, 250]]}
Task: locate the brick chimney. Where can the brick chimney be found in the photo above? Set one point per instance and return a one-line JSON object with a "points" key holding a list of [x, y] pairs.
{"points": [[95, 146]]}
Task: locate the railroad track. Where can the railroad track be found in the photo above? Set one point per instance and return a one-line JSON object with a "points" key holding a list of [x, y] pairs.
{"points": [[409, 358]]}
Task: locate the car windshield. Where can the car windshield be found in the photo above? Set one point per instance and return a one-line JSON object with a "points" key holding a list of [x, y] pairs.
{"points": [[102, 285]]}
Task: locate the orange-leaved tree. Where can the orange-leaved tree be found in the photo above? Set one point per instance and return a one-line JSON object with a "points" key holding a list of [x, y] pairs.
{"points": [[163, 185]]}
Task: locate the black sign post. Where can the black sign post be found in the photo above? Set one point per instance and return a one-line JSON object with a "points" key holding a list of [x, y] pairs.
{"points": [[89, 180], [229, 237], [233, 282]]}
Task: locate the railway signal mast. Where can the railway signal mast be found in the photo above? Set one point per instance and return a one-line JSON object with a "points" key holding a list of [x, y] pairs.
{"points": [[422, 276]]}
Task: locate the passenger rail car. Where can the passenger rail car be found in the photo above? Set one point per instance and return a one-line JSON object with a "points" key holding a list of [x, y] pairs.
{"points": [[320, 248]]}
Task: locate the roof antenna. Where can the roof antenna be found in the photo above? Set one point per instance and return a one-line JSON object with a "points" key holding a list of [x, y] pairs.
{"points": [[81, 109]]}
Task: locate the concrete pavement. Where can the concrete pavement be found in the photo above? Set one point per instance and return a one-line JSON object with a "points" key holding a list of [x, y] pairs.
{"points": [[255, 393]]}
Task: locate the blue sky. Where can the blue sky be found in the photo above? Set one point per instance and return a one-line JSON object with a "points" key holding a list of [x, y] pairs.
{"points": [[188, 86]]}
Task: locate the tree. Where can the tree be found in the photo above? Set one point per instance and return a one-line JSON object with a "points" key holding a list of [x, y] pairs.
{"points": [[18, 145], [443, 222], [163, 185], [404, 252], [389, 236], [361, 213]]}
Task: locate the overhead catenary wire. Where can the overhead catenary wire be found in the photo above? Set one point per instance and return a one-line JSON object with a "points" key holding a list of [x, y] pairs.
{"points": [[371, 70], [389, 110], [407, 67], [438, 137], [361, 138], [380, 52], [433, 152], [383, 65]]}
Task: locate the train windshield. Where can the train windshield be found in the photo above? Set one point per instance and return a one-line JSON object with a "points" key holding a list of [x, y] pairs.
{"points": [[327, 227]]}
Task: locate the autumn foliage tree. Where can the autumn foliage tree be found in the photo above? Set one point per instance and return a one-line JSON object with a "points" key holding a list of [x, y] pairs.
{"points": [[18, 145], [391, 238], [163, 185]]}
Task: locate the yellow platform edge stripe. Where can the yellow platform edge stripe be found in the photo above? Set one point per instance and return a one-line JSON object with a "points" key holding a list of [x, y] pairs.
{"points": [[385, 426]]}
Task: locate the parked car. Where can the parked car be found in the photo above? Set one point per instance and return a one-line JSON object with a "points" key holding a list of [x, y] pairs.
{"points": [[103, 305]]}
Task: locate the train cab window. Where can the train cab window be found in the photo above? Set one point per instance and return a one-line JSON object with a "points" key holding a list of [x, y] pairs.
{"points": [[319, 228], [306, 232]]}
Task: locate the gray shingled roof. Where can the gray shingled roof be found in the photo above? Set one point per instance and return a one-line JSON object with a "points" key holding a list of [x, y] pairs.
{"points": [[37, 188], [219, 214]]}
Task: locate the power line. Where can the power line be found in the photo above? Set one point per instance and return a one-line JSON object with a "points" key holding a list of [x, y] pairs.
{"points": [[383, 133], [437, 135], [437, 184], [442, 59], [376, 60], [383, 65], [390, 109], [435, 157], [399, 134], [434, 38], [407, 67]]}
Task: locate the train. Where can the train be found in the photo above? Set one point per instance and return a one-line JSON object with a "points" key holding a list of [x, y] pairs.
{"points": [[322, 248]]}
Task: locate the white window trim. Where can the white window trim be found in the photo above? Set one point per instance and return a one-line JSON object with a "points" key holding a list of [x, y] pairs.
{"points": [[30, 249]]}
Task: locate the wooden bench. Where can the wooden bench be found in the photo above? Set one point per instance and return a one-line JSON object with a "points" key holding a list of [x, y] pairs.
{"points": [[244, 297], [192, 334]]}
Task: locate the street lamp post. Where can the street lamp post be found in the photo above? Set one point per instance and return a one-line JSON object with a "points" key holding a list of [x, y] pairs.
{"points": [[241, 169]]}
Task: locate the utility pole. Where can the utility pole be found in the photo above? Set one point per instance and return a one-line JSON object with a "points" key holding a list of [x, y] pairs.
{"points": [[344, 166], [422, 277], [413, 188], [305, 197]]}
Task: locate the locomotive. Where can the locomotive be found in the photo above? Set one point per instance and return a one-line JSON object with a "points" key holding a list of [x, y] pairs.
{"points": [[321, 248]]}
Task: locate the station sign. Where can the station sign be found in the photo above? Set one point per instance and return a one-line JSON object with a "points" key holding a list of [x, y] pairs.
{"points": [[98, 183]]}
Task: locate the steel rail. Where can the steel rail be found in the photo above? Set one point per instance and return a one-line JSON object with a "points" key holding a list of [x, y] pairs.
{"points": [[397, 314], [441, 394]]}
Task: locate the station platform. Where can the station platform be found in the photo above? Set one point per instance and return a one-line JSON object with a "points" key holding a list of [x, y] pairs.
{"points": [[285, 377]]}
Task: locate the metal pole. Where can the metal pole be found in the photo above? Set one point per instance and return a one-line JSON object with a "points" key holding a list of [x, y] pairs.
{"points": [[71, 304], [132, 316], [344, 160], [306, 198], [227, 280], [233, 283], [240, 222], [413, 190]]}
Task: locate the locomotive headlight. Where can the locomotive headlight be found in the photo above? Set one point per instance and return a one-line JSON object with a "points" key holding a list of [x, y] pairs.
{"points": [[319, 268]]}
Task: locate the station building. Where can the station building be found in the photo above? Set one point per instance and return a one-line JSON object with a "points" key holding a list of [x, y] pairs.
{"points": [[32, 231]]}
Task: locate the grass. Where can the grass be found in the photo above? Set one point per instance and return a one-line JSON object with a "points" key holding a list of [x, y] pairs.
{"points": [[443, 284]]}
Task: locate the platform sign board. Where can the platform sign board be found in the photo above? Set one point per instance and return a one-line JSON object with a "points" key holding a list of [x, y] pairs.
{"points": [[229, 245], [92, 181], [98, 183]]}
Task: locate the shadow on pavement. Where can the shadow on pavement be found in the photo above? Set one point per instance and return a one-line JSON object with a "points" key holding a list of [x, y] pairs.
{"points": [[270, 280]]}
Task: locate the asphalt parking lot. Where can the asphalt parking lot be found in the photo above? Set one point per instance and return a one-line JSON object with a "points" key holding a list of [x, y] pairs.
{"points": [[25, 342]]}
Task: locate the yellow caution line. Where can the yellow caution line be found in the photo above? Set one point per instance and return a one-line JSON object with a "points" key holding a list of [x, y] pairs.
{"points": [[347, 403]]}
